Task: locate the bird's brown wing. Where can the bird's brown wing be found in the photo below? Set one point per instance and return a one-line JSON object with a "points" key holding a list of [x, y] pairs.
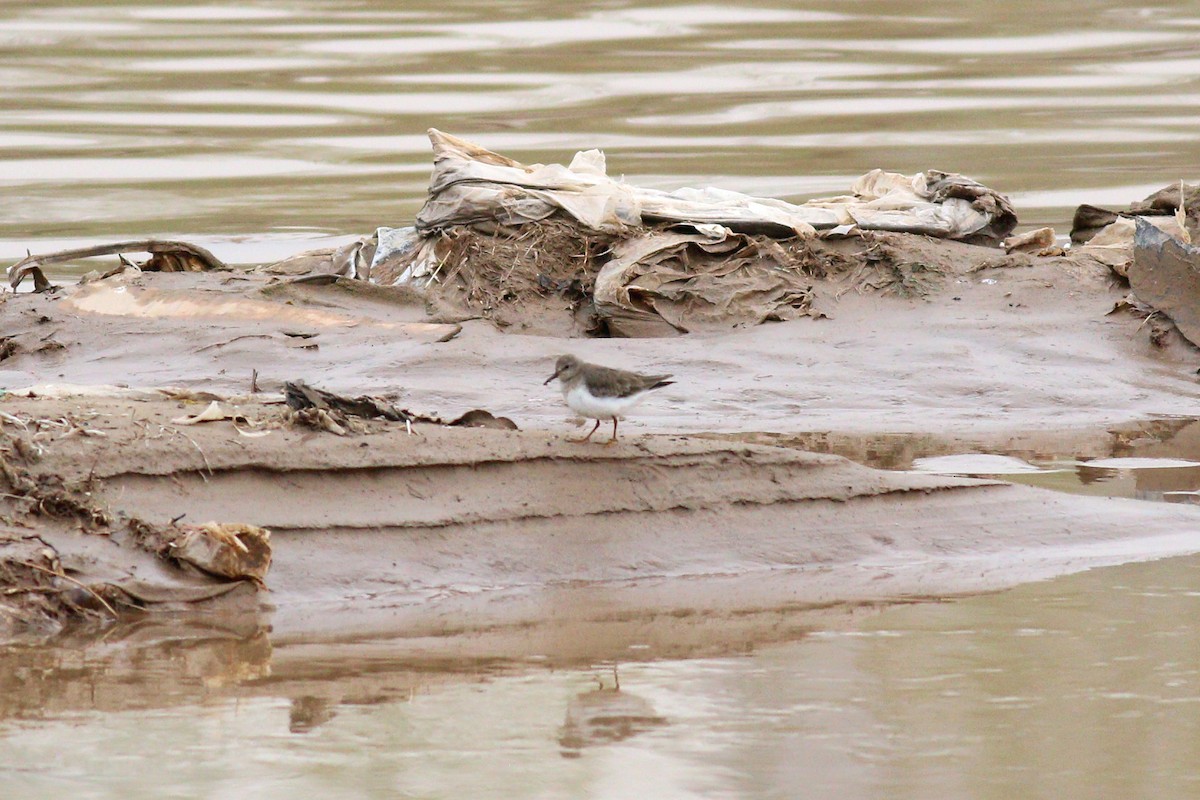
{"points": [[620, 383]]}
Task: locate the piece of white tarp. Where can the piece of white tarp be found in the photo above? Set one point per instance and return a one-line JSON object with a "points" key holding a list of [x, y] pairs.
{"points": [[471, 184]]}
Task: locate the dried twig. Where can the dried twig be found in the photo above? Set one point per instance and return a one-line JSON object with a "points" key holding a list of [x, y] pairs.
{"points": [[200, 450]]}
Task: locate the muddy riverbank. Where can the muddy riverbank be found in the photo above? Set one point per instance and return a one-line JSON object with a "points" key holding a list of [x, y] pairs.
{"points": [[143, 405], [481, 541], [432, 530]]}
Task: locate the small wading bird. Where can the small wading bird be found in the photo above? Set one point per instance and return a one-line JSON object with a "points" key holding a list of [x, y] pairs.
{"points": [[601, 393]]}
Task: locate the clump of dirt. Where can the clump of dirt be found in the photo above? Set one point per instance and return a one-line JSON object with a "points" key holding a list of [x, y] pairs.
{"points": [[498, 272], [45, 494], [37, 596]]}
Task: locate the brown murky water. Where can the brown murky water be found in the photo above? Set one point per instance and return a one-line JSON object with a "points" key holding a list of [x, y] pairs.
{"points": [[266, 128], [1086, 686], [261, 129]]}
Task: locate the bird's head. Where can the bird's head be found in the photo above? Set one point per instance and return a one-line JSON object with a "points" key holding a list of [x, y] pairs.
{"points": [[566, 368]]}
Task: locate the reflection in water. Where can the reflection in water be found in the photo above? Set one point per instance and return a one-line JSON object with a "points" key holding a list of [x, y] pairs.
{"points": [[1084, 686], [605, 715], [146, 664], [309, 712]]}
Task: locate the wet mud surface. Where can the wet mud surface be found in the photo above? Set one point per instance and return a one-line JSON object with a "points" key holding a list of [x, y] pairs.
{"points": [[381, 524]]}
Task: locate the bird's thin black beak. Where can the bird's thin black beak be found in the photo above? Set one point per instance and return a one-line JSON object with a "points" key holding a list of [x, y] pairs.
{"points": [[552, 377]]}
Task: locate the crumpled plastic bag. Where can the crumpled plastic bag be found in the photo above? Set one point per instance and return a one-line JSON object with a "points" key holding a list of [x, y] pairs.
{"points": [[228, 550], [668, 283], [471, 184]]}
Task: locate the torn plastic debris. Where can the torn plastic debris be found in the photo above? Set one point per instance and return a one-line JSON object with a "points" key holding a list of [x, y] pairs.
{"points": [[471, 184], [683, 260], [1179, 200], [1107, 237], [668, 282]]}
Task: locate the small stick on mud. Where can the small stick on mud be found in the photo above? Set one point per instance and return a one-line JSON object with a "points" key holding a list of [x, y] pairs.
{"points": [[1151, 316], [14, 420], [202, 455], [254, 381], [81, 585]]}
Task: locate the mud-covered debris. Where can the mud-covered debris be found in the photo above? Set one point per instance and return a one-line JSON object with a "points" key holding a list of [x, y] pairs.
{"points": [[16, 343], [227, 550], [1090, 220], [44, 494], [351, 260], [697, 278], [324, 419], [479, 418], [165, 256], [324, 410], [230, 551], [212, 413], [516, 243], [498, 271], [299, 396], [31, 600], [1165, 274], [1037, 242]]}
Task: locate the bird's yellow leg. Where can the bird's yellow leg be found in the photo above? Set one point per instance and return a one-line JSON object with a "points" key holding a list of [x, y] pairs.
{"points": [[584, 439], [613, 440]]}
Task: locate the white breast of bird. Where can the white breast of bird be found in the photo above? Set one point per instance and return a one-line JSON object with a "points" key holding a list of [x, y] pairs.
{"points": [[585, 404]]}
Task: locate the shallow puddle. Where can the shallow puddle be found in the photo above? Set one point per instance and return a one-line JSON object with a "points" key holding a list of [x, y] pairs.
{"points": [[1151, 460]]}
